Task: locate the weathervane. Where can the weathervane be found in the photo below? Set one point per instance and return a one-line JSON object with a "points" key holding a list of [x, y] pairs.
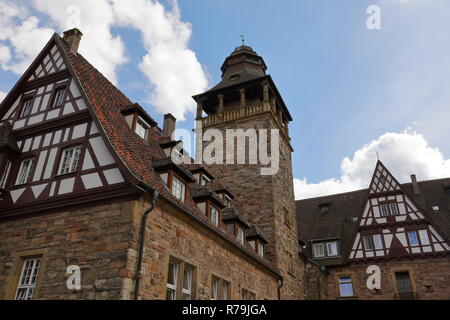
{"points": [[242, 39]]}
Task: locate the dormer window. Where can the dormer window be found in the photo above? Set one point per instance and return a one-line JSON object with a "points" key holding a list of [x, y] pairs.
{"points": [[214, 216], [240, 234], [204, 180], [69, 160], [261, 250], [326, 249], [142, 129], [227, 200], [178, 189], [59, 98], [26, 109]]}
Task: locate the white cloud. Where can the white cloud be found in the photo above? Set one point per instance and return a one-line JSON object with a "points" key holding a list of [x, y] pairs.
{"points": [[403, 153], [170, 66]]}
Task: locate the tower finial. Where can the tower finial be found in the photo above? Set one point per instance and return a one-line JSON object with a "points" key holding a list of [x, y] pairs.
{"points": [[242, 39]]}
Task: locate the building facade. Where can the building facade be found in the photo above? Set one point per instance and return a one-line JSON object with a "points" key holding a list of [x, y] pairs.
{"points": [[94, 203], [400, 232]]}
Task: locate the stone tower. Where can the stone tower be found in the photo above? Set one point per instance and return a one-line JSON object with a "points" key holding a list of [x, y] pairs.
{"points": [[247, 98]]}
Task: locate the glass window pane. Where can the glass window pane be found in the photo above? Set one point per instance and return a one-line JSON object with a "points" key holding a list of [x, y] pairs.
{"points": [[394, 210], [403, 282], [172, 277], [214, 288], [384, 210], [319, 250], [412, 235], [368, 245], [377, 242], [332, 249], [346, 287]]}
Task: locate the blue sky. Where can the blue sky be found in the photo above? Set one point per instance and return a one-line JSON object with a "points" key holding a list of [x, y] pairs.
{"points": [[352, 92]]}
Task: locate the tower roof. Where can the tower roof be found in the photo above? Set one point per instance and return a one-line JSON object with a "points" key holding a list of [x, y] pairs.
{"points": [[242, 65]]}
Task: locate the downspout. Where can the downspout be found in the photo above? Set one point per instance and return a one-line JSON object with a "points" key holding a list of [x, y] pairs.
{"points": [[279, 287], [142, 244]]}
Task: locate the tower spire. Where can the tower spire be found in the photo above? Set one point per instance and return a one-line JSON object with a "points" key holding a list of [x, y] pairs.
{"points": [[242, 39]]}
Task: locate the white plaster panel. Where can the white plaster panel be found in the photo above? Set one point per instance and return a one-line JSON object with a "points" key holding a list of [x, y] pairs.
{"points": [[50, 163], [376, 212], [369, 254], [19, 124], [66, 135], [381, 220], [402, 238], [91, 181], [427, 249], [27, 145], [16, 194], [415, 250], [36, 142], [113, 176], [68, 108], [66, 186], [94, 129], [52, 189], [45, 102], [366, 210], [40, 165], [79, 131], [359, 254], [47, 140], [37, 190], [356, 241], [53, 114], [379, 253], [388, 240], [57, 137], [36, 119], [74, 89], [12, 109], [400, 218], [438, 247], [101, 151], [81, 104], [36, 104]]}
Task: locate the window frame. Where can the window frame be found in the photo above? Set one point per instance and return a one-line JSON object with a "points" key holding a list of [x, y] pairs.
{"points": [[29, 173], [248, 295], [29, 109], [315, 251], [260, 249], [142, 124], [5, 175], [371, 246], [62, 160], [335, 243], [179, 291], [174, 192], [216, 222], [240, 234], [32, 274], [341, 283], [62, 89]]}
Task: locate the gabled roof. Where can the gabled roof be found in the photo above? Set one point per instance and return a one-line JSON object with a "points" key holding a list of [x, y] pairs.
{"points": [[338, 221]]}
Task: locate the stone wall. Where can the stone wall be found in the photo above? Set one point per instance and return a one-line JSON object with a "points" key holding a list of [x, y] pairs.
{"points": [[96, 239], [267, 202], [172, 234], [423, 272]]}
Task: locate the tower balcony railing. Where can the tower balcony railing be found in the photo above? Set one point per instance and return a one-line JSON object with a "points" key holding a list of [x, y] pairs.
{"points": [[236, 114]]}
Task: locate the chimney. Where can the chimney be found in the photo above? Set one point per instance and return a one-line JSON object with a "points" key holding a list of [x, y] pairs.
{"points": [[72, 38], [169, 125], [415, 185]]}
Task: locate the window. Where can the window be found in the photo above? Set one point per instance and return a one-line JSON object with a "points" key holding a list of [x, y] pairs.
{"points": [[69, 160], [227, 201], [324, 208], [172, 280], [25, 171], [332, 249], [368, 244], [424, 239], [319, 250], [178, 189], [180, 273], [378, 243], [252, 244], [28, 278], [248, 295], [5, 175], [59, 98], [220, 289], [346, 287], [187, 283], [26, 110], [394, 210], [261, 250], [214, 216], [240, 235], [413, 240], [142, 129], [384, 210], [204, 180], [403, 282]]}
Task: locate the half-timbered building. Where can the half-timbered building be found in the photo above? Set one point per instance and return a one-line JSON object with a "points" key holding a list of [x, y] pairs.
{"points": [[403, 229]]}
